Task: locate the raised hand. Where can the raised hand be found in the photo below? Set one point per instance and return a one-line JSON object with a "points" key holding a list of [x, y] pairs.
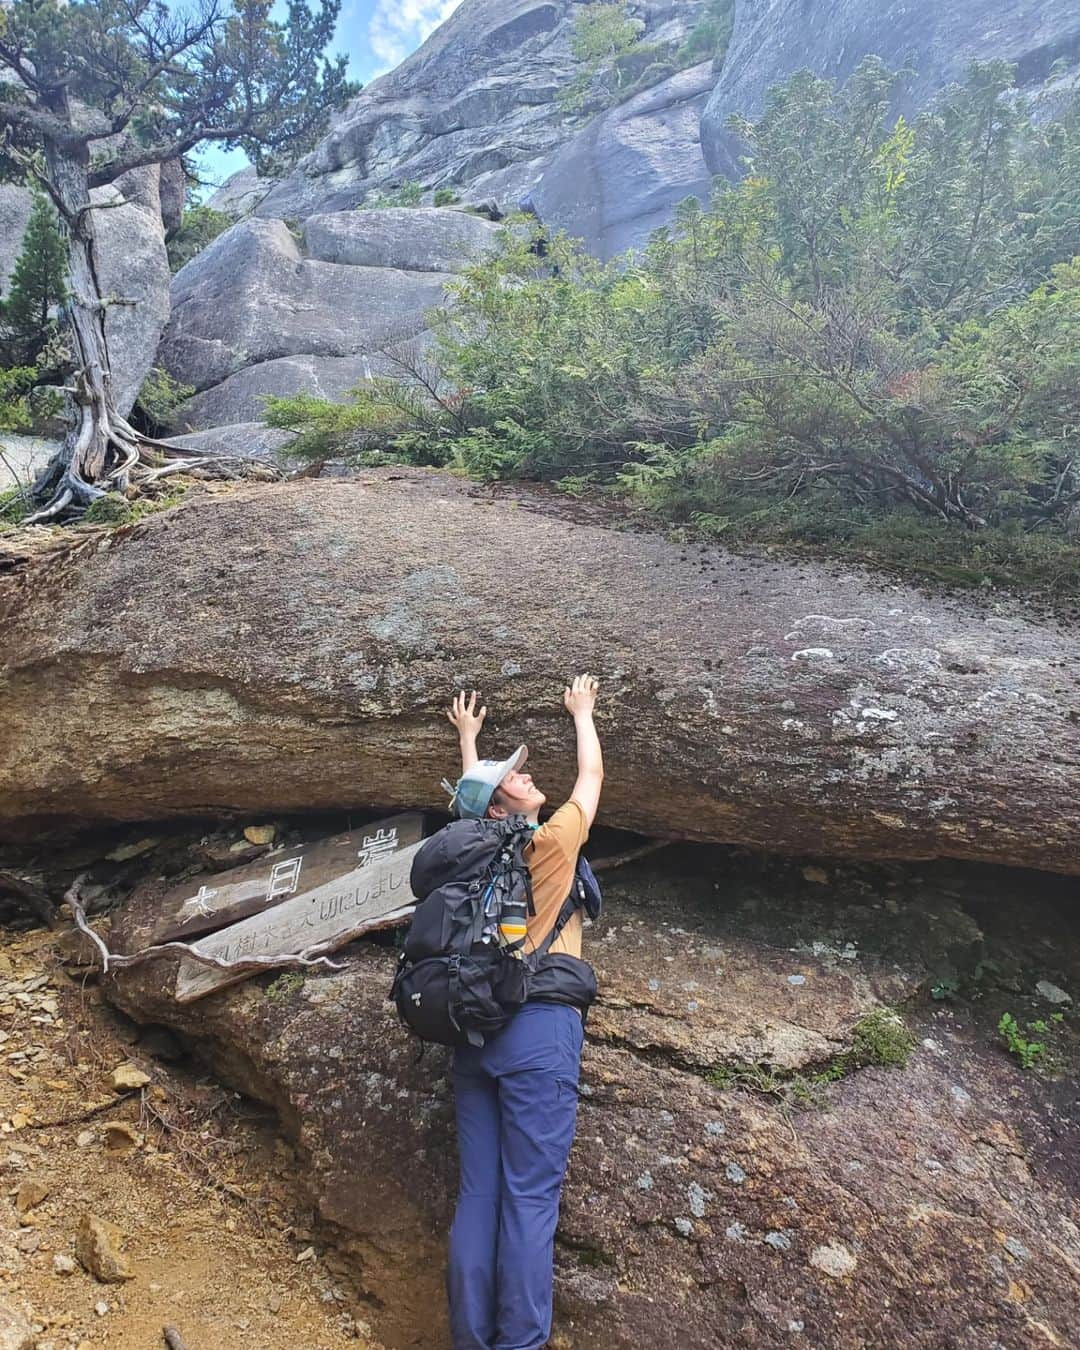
{"points": [[462, 713], [580, 696]]}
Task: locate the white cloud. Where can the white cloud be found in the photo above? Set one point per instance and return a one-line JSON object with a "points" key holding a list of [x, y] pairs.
{"points": [[398, 27]]}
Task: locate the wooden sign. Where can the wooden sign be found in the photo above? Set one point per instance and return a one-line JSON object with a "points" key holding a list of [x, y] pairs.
{"points": [[372, 895], [206, 903]]}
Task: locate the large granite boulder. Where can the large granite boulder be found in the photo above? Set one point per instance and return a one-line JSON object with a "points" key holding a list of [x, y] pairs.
{"points": [[315, 630], [242, 397], [420, 239], [622, 176], [254, 298], [830, 37], [928, 1205]]}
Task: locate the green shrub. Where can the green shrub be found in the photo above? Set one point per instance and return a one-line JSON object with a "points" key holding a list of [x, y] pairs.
{"points": [[200, 226], [113, 508], [710, 36], [408, 194], [445, 196], [159, 398]]}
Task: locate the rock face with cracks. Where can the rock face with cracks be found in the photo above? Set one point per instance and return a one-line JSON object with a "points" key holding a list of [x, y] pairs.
{"points": [[936, 42], [695, 1215], [292, 648]]}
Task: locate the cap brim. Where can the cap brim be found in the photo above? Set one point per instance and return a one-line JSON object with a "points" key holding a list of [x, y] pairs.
{"points": [[513, 764]]}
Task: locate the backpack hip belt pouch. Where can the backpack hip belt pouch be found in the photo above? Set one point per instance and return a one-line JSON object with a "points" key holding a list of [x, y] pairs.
{"points": [[463, 972]]}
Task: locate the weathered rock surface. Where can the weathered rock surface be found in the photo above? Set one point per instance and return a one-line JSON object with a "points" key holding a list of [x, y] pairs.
{"points": [[474, 109], [623, 175], [254, 440], [317, 629], [261, 311], [421, 239], [770, 41], [696, 1216]]}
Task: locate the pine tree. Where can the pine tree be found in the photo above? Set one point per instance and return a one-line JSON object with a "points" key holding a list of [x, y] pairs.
{"points": [[38, 282]]}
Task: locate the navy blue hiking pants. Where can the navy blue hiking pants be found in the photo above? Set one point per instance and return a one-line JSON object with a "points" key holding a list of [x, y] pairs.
{"points": [[516, 1101]]}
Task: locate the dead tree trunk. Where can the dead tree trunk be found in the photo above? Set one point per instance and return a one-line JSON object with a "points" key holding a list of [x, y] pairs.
{"points": [[101, 451]]}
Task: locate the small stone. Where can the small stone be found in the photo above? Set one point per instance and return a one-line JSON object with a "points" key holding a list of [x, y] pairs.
{"points": [[715, 1127], [101, 1307], [684, 1227], [153, 1287], [308, 1254], [817, 875], [84, 1138], [260, 834], [28, 1241], [31, 1192], [645, 1181], [129, 1077], [97, 1245], [63, 1264], [274, 1302], [736, 1232], [16, 1332], [780, 1240], [834, 1260], [734, 1173], [1051, 992], [796, 979], [125, 852]]}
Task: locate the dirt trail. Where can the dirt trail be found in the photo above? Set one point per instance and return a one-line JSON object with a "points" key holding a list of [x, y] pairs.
{"points": [[216, 1227]]}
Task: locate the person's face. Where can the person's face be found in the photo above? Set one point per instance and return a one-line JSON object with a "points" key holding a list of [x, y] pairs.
{"points": [[517, 794]]}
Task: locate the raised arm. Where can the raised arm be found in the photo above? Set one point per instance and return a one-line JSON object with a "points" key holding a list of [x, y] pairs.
{"points": [[462, 713], [580, 700]]}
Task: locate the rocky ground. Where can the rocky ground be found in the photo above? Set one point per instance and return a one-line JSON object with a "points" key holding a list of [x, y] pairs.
{"points": [[103, 1125], [799, 1120]]}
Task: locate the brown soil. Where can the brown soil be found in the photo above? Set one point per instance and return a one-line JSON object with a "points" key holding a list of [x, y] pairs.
{"points": [[217, 1228]]}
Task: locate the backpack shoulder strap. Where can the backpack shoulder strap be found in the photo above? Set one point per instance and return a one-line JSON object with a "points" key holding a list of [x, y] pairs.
{"points": [[570, 906]]}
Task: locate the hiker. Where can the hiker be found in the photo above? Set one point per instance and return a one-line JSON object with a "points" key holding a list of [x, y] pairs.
{"points": [[516, 1095]]}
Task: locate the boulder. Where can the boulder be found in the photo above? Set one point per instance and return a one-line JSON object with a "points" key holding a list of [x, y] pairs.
{"points": [[241, 398], [22, 458], [252, 296], [292, 647], [621, 177], [133, 264], [239, 195], [831, 37], [422, 239], [702, 1207], [253, 440]]}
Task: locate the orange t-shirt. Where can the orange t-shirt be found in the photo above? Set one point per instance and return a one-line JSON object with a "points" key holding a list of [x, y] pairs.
{"points": [[552, 857]]}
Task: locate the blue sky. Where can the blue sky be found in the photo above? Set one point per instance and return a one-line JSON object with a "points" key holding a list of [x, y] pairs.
{"points": [[374, 34]]}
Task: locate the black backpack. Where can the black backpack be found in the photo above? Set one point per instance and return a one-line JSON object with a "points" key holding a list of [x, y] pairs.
{"points": [[457, 982]]}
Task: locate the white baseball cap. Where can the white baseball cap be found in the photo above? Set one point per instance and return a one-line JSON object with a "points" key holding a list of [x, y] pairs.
{"points": [[471, 795]]}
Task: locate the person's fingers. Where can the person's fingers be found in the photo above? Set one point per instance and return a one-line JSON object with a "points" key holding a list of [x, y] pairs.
{"points": [[482, 713]]}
